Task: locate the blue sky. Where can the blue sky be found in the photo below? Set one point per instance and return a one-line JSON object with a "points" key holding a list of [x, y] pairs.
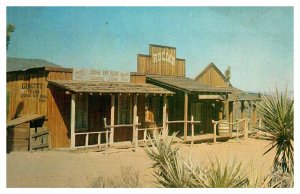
{"points": [[257, 42]]}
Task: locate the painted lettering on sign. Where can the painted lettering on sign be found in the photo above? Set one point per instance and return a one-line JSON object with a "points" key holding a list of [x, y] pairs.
{"points": [[100, 75], [163, 56], [33, 90]]}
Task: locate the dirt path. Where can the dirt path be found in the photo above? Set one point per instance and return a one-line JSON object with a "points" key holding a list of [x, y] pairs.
{"points": [[66, 169]]}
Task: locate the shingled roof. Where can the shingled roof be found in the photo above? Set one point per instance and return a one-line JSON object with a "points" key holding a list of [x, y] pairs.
{"points": [[108, 87], [184, 84], [21, 64]]}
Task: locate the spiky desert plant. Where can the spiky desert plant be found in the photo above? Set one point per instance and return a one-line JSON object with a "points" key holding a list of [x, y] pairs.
{"points": [[278, 120], [169, 168], [230, 176], [172, 172]]}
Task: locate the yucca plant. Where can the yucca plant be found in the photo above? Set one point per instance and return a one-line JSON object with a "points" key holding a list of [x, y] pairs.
{"points": [[278, 120], [172, 172], [230, 176], [169, 169]]}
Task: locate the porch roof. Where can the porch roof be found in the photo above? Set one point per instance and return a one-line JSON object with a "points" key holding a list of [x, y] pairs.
{"points": [[240, 95], [184, 84], [108, 87]]}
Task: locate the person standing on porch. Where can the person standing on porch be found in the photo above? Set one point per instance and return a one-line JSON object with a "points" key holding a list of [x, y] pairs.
{"points": [[149, 119]]}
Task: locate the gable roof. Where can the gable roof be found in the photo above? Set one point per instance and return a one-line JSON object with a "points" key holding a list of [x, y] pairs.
{"points": [[21, 64], [212, 65], [184, 84]]}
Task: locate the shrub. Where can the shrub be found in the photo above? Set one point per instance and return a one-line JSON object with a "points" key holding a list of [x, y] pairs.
{"points": [[129, 178], [278, 120]]}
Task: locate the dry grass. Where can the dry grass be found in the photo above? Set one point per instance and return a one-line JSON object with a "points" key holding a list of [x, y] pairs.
{"points": [[129, 178]]}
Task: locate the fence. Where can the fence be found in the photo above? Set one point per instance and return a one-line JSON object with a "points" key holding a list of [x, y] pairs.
{"points": [[192, 122], [38, 138], [238, 126]]}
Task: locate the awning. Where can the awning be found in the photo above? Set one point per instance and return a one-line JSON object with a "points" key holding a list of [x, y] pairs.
{"points": [[211, 97], [184, 84], [24, 119], [75, 86]]}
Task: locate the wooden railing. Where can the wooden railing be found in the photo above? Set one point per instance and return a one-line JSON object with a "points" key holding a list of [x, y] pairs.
{"points": [[192, 122], [87, 134], [238, 125]]}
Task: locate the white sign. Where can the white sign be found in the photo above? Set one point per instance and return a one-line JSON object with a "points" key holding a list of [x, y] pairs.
{"points": [[164, 56], [100, 75]]}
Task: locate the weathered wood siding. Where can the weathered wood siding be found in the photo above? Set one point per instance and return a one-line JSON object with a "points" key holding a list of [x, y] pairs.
{"points": [[29, 94], [213, 78], [161, 61]]}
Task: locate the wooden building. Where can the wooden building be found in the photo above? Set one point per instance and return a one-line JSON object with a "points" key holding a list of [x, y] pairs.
{"points": [[241, 104], [74, 110], [201, 100], [29, 93]]}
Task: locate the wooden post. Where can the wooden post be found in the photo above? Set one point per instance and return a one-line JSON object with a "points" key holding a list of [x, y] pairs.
{"points": [[192, 119], [242, 109], [220, 105], [186, 98], [87, 140], [112, 118], [165, 132], [227, 111], [72, 123], [215, 131], [134, 138], [230, 118], [106, 141], [246, 129], [254, 115]]}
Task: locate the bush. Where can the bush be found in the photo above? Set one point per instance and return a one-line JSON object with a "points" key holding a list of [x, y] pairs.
{"points": [[129, 178], [278, 120]]}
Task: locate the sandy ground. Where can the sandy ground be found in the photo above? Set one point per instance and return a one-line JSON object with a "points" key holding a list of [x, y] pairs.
{"points": [[66, 169]]}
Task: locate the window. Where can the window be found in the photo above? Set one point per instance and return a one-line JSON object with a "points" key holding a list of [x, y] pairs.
{"points": [[81, 113], [124, 109]]}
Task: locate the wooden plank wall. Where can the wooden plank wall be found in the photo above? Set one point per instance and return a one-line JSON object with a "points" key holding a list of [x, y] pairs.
{"points": [[59, 107], [27, 93], [161, 61], [30, 94], [213, 78]]}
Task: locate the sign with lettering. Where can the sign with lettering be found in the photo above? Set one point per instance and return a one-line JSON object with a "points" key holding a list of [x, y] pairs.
{"points": [[33, 90], [84, 74], [163, 54]]}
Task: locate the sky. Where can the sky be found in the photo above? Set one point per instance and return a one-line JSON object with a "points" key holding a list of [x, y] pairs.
{"points": [[257, 42]]}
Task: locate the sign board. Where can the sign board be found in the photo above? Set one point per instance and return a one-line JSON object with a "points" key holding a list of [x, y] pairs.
{"points": [[100, 75], [163, 54]]}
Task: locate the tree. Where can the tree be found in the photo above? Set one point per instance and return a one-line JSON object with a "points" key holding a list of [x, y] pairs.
{"points": [[9, 30], [228, 73]]}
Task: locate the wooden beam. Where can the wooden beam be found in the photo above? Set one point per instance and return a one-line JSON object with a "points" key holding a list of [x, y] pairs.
{"points": [[242, 109], [186, 102], [230, 118], [254, 115], [134, 138], [210, 97], [165, 116], [72, 126], [112, 117], [227, 111]]}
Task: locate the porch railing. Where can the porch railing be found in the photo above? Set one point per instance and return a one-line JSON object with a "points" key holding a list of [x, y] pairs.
{"points": [[191, 122], [99, 143], [238, 122]]}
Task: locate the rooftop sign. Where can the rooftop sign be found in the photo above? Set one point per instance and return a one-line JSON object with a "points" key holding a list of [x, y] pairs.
{"points": [[84, 74]]}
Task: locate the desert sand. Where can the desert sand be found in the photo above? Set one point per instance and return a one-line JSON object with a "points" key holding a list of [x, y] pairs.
{"points": [[78, 169]]}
